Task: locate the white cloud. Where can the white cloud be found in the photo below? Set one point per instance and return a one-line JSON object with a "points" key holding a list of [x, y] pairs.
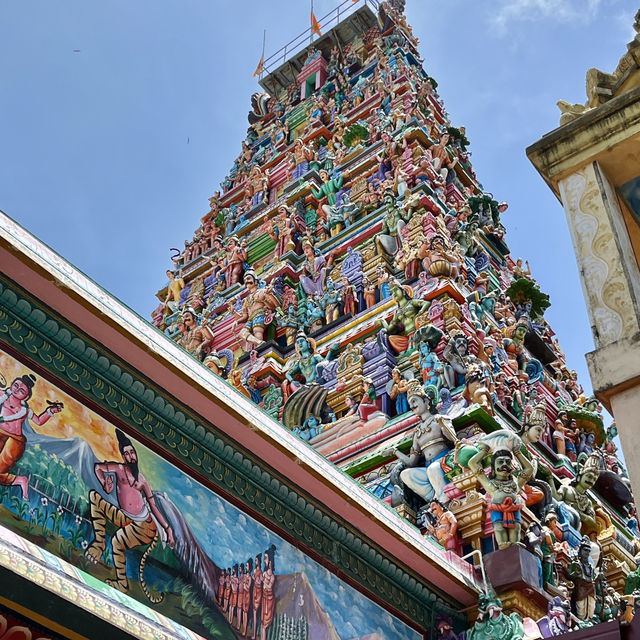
{"points": [[512, 11]]}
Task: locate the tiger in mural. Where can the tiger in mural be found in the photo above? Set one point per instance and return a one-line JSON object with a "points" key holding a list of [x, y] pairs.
{"points": [[137, 517]]}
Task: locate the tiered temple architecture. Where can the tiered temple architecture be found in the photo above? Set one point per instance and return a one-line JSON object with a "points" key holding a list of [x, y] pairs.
{"points": [[352, 419], [352, 278]]}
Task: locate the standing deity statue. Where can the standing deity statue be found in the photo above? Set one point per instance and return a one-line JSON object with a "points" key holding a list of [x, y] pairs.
{"points": [[389, 239], [258, 302], [583, 575], [330, 302], [504, 489], [234, 263]]}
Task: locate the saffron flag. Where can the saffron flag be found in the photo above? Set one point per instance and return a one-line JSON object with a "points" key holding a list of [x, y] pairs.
{"points": [[315, 25], [260, 67]]}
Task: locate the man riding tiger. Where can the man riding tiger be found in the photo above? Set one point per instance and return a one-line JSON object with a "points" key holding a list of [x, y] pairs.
{"points": [[137, 516]]}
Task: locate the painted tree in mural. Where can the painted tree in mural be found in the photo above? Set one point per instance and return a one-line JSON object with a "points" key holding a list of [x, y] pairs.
{"points": [[352, 278]]}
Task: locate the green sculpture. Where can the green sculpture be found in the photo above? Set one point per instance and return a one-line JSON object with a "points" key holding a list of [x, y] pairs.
{"points": [[493, 624]]}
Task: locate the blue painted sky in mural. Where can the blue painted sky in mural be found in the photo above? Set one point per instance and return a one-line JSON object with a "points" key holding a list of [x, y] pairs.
{"points": [[122, 118], [231, 537]]}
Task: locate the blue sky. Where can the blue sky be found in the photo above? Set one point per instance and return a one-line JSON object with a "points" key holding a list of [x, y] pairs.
{"points": [[110, 153]]}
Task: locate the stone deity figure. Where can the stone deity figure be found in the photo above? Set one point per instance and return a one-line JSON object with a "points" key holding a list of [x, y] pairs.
{"points": [[548, 547], [559, 432], [368, 292], [431, 439], [384, 282], [258, 185], [514, 344], [445, 527], [349, 297], [399, 386], [315, 269], [176, 285], [286, 229], [234, 263], [533, 539], [404, 317], [328, 189], [457, 357], [442, 161], [290, 322], [253, 315], [306, 364], [437, 260], [504, 489], [583, 574], [330, 302], [371, 198], [574, 494], [342, 215], [196, 339], [389, 239], [302, 155]]}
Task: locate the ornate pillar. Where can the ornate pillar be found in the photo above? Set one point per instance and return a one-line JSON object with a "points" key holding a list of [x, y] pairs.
{"points": [[611, 284]]}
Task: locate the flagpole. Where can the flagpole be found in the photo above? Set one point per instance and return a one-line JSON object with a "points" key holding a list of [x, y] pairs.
{"points": [[260, 68], [311, 23]]}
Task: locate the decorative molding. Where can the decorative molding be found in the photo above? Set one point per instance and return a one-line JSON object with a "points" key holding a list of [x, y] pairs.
{"points": [[108, 604], [603, 279], [99, 377]]}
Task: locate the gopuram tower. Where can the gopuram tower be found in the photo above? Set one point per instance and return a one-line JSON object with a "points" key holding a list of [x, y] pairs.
{"points": [[353, 280]]}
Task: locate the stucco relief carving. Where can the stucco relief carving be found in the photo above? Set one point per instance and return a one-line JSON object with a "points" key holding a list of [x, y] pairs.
{"points": [[596, 251]]}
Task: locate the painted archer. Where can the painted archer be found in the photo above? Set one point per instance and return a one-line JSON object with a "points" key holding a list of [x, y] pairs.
{"points": [[14, 411]]}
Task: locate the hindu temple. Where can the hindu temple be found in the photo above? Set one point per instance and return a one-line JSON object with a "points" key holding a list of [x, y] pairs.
{"points": [[349, 417]]}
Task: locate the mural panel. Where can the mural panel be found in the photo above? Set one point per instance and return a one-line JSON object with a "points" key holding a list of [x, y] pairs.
{"points": [[83, 490]]}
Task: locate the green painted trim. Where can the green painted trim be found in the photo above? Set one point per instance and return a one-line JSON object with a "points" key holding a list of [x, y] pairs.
{"points": [[108, 382]]}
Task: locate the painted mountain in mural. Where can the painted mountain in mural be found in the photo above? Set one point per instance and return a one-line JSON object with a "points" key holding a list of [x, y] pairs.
{"points": [[73, 451], [201, 569], [296, 598]]}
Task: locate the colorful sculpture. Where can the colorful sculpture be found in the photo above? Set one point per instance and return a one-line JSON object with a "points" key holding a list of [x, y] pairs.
{"points": [[431, 438], [493, 623], [504, 489], [255, 307]]}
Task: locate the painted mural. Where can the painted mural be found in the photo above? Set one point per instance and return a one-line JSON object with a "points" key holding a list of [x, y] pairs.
{"points": [[81, 489]]}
